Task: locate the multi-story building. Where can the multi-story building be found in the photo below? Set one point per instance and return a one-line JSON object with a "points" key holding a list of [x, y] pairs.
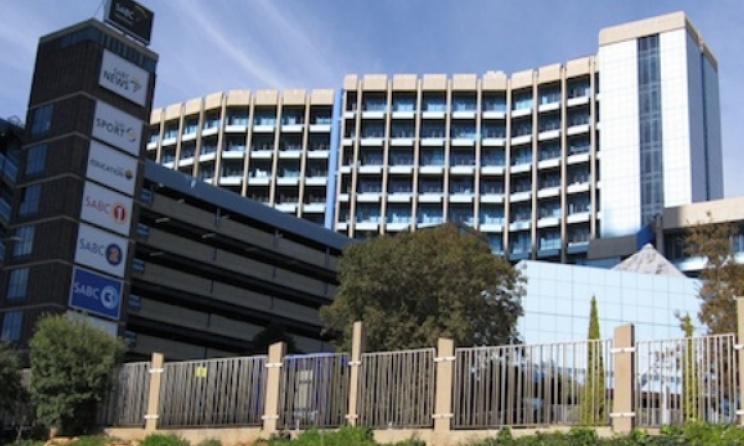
{"points": [[272, 147], [11, 135], [542, 160]]}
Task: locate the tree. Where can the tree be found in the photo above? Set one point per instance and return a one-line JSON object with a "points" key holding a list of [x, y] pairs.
{"points": [[690, 374], [722, 277], [272, 333], [72, 364], [412, 288], [593, 393], [11, 390]]}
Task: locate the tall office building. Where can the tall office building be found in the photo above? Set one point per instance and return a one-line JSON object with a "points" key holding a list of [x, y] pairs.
{"points": [[541, 161], [80, 165], [286, 136]]}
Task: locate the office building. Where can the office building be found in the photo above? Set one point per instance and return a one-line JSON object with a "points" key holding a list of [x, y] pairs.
{"points": [[268, 146], [11, 135], [524, 158], [173, 265]]}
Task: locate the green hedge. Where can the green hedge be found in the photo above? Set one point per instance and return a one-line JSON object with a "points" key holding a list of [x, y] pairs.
{"points": [[690, 435]]}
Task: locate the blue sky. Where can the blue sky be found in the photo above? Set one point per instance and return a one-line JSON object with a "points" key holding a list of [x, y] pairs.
{"points": [[212, 45]]}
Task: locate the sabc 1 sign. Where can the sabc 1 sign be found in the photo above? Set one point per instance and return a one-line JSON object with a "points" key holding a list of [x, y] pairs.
{"points": [[131, 18], [117, 128], [101, 250], [95, 294], [124, 78], [106, 208], [112, 168]]}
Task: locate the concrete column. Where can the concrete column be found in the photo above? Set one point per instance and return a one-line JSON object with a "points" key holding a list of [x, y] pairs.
{"points": [[623, 401], [740, 354], [445, 364], [357, 348], [273, 381], [153, 398]]}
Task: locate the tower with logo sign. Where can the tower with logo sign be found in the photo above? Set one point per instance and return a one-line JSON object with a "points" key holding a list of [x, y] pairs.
{"points": [[81, 166]]}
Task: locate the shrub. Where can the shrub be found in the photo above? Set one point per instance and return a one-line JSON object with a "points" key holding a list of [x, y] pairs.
{"points": [[72, 363], [91, 440], [210, 442], [164, 440]]}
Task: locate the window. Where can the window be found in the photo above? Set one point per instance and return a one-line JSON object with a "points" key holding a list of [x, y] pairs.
{"points": [[30, 200], [36, 159], [11, 331], [25, 241], [17, 283], [41, 120]]}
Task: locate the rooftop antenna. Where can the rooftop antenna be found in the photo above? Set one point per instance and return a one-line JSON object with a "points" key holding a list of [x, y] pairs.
{"points": [[99, 8]]}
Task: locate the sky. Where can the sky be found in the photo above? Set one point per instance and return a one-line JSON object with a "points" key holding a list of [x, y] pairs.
{"points": [[207, 46]]}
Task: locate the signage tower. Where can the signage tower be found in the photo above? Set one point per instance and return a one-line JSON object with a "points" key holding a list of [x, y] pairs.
{"points": [[81, 165]]}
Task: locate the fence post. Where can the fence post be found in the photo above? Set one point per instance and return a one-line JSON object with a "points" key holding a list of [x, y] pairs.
{"points": [[357, 348], [153, 398], [623, 398], [445, 364], [739, 342], [273, 382]]}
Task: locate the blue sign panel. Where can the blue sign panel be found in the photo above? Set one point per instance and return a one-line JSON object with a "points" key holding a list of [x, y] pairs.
{"points": [[95, 294]]}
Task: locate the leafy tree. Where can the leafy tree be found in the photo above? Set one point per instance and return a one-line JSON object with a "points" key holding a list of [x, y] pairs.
{"points": [[722, 277], [11, 390], [593, 394], [72, 364], [690, 374], [272, 333], [412, 288]]}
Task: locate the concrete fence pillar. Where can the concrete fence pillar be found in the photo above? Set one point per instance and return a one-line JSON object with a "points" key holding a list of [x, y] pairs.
{"points": [[445, 365], [153, 397], [623, 398], [740, 354], [357, 348], [273, 366]]}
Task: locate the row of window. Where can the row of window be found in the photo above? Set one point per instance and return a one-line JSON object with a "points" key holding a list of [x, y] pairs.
{"points": [[467, 101]]}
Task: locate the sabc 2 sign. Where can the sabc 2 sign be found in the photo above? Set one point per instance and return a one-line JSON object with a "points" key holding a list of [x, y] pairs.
{"points": [[101, 250], [124, 78]]}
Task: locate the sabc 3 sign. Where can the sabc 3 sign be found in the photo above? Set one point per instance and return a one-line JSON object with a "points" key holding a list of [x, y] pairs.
{"points": [[95, 294], [124, 78], [117, 128]]}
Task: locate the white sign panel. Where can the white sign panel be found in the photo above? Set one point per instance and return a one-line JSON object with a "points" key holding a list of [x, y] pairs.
{"points": [[106, 208], [117, 128], [112, 168], [124, 78], [101, 250], [109, 327]]}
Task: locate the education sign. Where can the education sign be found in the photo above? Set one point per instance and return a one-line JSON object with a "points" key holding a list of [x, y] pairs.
{"points": [[124, 78], [131, 18], [101, 250], [95, 293], [112, 168]]}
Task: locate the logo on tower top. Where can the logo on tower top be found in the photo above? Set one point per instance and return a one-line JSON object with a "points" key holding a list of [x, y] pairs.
{"points": [[131, 18]]}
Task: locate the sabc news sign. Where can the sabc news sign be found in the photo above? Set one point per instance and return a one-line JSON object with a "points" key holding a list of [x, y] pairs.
{"points": [[124, 78]]}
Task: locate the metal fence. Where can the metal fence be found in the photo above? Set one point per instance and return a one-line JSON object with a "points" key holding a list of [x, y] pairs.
{"points": [[126, 403], [526, 385], [680, 380], [20, 414], [396, 389], [314, 391], [214, 392]]}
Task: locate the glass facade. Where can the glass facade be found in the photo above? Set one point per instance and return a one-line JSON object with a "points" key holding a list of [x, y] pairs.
{"points": [[558, 299], [650, 126]]}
